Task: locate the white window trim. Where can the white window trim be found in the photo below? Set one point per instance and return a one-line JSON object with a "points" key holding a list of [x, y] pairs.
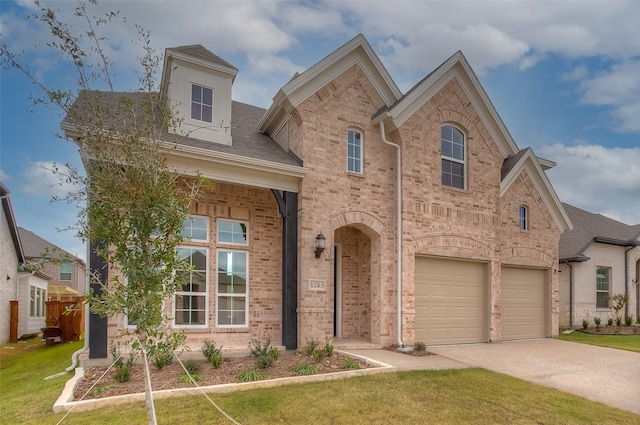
{"points": [[190, 95], [361, 158], [448, 158], [608, 291], [206, 294], [224, 294], [523, 220], [238, 244], [187, 240]]}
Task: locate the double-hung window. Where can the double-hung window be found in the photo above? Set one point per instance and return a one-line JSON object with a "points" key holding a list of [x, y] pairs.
{"points": [[354, 151], [190, 306], [453, 157], [201, 103], [38, 299], [232, 302], [603, 285], [65, 270]]}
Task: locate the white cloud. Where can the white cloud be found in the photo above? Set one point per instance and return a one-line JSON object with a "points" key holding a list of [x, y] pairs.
{"points": [[46, 179], [597, 179], [576, 74]]}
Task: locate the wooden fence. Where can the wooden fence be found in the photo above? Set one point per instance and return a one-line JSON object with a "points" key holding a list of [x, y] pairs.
{"points": [[68, 315]]}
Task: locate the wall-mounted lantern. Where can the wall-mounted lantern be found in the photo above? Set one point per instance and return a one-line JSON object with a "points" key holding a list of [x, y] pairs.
{"points": [[319, 244]]}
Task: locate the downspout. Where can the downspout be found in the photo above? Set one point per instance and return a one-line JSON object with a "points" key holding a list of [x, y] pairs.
{"points": [[399, 227], [626, 278], [570, 294]]}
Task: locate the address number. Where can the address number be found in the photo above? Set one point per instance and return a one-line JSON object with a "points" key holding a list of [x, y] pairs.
{"points": [[317, 285]]}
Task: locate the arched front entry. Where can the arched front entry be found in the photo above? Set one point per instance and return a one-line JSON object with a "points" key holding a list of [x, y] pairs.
{"points": [[356, 268]]}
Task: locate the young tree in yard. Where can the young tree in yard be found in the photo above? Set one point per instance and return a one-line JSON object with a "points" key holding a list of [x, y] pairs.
{"points": [[129, 198]]}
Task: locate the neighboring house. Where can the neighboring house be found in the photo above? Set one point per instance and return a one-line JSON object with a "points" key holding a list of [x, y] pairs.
{"points": [[68, 272], [17, 281], [599, 257], [349, 209]]}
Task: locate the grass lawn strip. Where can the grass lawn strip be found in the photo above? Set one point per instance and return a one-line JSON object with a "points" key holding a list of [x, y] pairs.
{"points": [[619, 342], [466, 396]]}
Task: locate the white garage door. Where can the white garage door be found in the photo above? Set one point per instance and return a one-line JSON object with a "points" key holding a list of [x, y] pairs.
{"points": [[450, 301], [523, 303]]}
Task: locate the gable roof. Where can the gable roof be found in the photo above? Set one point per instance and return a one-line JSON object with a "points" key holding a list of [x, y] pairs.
{"points": [[35, 246], [301, 86], [11, 222], [588, 228]]}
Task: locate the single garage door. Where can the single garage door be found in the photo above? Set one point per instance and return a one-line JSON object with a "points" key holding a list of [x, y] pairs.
{"points": [[524, 301], [450, 301]]}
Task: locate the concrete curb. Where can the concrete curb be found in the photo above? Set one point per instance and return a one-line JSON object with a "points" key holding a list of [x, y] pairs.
{"points": [[65, 402]]}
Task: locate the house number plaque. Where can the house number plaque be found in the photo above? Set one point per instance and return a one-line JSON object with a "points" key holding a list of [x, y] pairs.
{"points": [[317, 284]]}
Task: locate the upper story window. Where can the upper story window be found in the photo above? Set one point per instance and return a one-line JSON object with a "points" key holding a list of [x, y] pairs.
{"points": [[201, 103], [354, 151], [65, 270], [196, 229], [453, 157], [603, 285], [232, 232], [523, 217]]}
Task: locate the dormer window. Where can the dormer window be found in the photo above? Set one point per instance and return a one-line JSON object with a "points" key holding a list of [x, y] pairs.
{"points": [[201, 103]]}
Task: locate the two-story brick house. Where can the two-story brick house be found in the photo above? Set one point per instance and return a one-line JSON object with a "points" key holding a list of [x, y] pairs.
{"points": [[349, 209]]}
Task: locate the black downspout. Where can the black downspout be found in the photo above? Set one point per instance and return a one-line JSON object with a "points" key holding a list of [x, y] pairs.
{"points": [[288, 207], [97, 324]]}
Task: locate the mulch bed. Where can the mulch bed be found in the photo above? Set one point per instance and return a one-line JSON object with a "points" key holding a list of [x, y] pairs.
{"points": [[167, 377], [612, 330]]}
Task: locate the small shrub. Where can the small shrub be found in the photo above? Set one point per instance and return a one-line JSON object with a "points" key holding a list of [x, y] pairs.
{"points": [[312, 344], [99, 390], [328, 346], [192, 367], [161, 360], [123, 368], [637, 320], [585, 323], [628, 320], [596, 320], [349, 363], [618, 321], [318, 355], [184, 378], [216, 360], [251, 375], [420, 346], [264, 362], [274, 353], [209, 349], [263, 353], [610, 321], [305, 369]]}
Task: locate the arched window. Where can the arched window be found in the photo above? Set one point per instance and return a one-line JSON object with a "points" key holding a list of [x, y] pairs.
{"points": [[354, 151], [453, 157]]}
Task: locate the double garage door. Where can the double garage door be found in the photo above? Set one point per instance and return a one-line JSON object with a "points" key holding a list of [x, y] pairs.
{"points": [[452, 302]]}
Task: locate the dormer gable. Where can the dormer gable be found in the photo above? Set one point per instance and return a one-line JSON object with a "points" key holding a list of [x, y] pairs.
{"points": [[196, 86]]}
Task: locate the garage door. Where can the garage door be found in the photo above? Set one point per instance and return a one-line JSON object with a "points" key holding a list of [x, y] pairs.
{"points": [[523, 303], [450, 301]]}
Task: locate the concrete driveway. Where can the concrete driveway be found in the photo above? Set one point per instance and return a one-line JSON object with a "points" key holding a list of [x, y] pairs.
{"points": [[600, 374]]}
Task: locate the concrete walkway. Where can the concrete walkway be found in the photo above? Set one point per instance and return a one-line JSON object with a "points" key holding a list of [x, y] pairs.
{"points": [[600, 374]]}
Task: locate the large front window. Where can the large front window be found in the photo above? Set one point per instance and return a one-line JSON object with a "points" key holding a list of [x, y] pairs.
{"points": [[201, 103], [233, 288], [603, 285], [453, 157], [190, 307]]}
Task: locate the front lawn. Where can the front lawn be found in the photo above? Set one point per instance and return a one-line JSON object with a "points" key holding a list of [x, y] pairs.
{"points": [[620, 342], [466, 396]]}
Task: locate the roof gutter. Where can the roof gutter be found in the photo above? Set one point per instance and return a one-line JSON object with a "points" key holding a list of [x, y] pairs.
{"points": [[399, 230]]}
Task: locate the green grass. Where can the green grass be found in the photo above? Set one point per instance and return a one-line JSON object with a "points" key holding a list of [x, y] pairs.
{"points": [[466, 396], [619, 342]]}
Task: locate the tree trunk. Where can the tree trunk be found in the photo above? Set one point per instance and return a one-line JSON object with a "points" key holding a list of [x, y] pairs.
{"points": [[148, 394]]}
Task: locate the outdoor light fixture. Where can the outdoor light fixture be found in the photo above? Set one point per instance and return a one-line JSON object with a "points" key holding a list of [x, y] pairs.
{"points": [[319, 244]]}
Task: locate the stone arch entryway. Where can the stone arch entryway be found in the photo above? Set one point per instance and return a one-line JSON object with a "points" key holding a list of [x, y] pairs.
{"points": [[357, 252]]}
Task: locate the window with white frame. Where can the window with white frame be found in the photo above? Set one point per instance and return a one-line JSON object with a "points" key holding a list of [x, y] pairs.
{"points": [[196, 229], [233, 288], [354, 151], [603, 286], [65, 270], [37, 300], [232, 232], [453, 156], [190, 301], [201, 103], [523, 217]]}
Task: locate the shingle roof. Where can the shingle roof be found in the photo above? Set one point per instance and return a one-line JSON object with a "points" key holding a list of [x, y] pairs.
{"points": [[199, 51], [34, 246], [247, 140], [510, 162], [588, 227], [11, 223]]}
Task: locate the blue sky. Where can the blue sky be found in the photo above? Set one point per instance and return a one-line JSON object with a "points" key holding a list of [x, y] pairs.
{"points": [[563, 75]]}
